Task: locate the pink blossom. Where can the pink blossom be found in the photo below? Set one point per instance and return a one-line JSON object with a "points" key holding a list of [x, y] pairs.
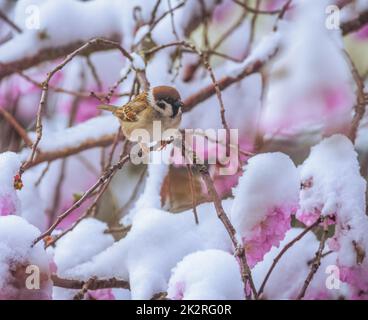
{"points": [[17, 255], [224, 169], [267, 234], [71, 218], [101, 294], [274, 4], [7, 204], [357, 277], [179, 291], [362, 34], [15, 288], [333, 243], [308, 217], [319, 104], [87, 109], [222, 11], [227, 168]]}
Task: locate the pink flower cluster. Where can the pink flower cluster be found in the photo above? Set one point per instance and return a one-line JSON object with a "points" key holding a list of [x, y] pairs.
{"points": [[15, 287], [101, 294], [362, 34], [179, 291], [87, 109], [7, 204], [308, 217], [267, 234], [357, 278]]}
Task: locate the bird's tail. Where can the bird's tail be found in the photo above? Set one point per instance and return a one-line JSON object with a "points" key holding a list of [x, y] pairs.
{"points": [[107, 108]]}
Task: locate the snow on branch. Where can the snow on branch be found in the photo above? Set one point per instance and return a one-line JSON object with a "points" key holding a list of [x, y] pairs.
{"points": [[266, 195]]}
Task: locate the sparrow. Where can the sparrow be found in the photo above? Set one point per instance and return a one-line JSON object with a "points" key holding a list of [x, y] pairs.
{"points": [[161, 103]]}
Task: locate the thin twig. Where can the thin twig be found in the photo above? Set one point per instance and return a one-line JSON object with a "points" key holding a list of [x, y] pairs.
{"points": [[98, 95], [86, 286], [361, 100], [257, 10], [205, 17], [155, 23], [4, 17], [322, 256], [95, 285], [192, 190], [94, 73], [134, 194], [253, 25], [104, 178], [282, 252], [57, 192], [172, 20], [281, 14], [154, 11], [45, 86], [86, 214], [317, 261], [117, 83], [239, 249], [204, 59], [113, 148], [190, 102], [16, 126], [43, 173], [194, 66]]}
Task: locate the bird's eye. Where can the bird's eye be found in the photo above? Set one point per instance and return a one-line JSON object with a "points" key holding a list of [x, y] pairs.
{"points": [[161, 105]]}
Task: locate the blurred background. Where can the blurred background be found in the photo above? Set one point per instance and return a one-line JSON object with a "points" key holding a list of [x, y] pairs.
{"points": [[309, 52]]}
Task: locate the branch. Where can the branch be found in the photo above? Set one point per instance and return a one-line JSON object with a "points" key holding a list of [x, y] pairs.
{"points": [[239, 251], [86, 214], [80, 94], [48, 54], [104, 178], [16, 126], [48, 156], [93, 285], [192, 68], [4, 17], [101, 181], [94, 43], [282, 252], [256, 10], [52, 53], [190, 102], [361, 102], [223, 83], [317, 261], [355, 24]]}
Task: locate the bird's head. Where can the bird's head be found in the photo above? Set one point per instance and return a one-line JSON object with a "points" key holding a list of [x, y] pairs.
{"points": [[166, 100]]}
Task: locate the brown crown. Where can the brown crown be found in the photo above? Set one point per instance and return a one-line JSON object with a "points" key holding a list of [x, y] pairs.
{"points": [[162, 92]]}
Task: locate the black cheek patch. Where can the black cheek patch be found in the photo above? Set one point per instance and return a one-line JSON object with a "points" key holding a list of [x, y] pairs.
{"points": [[176, 107], [160, 104]]}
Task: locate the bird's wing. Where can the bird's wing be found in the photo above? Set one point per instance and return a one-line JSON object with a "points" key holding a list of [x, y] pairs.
{"points": [[130, 112]]}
